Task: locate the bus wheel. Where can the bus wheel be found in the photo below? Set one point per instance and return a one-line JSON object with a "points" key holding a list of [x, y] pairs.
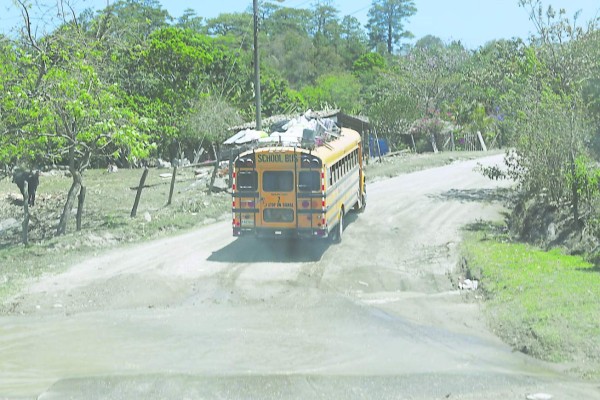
{"points": [[339, 229]]}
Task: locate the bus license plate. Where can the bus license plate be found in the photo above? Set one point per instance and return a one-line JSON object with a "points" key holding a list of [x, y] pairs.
{"points": [[247, 220]]}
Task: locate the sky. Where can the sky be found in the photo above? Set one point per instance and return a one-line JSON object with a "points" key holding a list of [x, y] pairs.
{"points": [[473, 22]]}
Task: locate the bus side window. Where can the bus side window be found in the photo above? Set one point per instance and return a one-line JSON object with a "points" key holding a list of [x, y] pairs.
{"points": [[334, 173]]}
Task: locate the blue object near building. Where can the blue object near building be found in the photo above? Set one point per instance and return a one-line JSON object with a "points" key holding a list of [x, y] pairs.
{"points": [[381, 150]]}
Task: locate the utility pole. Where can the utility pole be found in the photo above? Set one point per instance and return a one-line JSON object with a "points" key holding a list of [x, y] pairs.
{"points": [[256, 69]]}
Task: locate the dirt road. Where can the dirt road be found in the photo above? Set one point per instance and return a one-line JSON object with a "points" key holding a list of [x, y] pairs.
{"points": [[204, 315]]}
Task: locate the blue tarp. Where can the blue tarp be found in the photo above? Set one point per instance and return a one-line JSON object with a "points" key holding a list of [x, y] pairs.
{"points": [[374, 149]]}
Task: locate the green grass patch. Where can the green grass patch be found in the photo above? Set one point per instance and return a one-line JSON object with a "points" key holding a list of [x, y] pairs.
{"points": [[546, 304]]}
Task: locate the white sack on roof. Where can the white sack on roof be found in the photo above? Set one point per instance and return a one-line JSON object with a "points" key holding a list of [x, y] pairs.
{"points": [[245, 136], [250, 136], [235, 137]]}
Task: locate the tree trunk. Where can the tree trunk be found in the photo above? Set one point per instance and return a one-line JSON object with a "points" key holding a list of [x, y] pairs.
{"points": [[574, 187], [216, 169], [197, 154], [75, 187], [81, 200]]}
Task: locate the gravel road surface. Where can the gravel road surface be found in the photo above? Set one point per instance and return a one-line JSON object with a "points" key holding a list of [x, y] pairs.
{"points": [[205, 315]]}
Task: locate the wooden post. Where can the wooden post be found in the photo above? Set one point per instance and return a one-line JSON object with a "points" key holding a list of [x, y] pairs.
{"points": [[25, 225], [231, 170], [481, 141], [378, 147], [367, 153], [433, 144], [80, 201], [216, 169], [172, 185], [139, 192]]}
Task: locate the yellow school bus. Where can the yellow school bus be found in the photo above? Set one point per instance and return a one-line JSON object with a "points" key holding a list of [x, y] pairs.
{"points": [[299, 191]]}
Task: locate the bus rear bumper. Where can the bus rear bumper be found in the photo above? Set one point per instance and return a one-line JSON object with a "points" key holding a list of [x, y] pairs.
{"points": [[274, 233]]}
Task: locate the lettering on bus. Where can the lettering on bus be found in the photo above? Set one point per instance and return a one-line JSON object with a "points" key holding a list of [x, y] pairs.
{"points": [[279, 205], [277, 158]]}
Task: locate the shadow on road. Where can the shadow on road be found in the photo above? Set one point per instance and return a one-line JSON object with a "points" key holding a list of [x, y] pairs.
{"points": [[251, 250], [476, 195]]}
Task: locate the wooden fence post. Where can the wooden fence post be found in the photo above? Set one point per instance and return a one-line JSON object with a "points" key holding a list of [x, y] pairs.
{"points": [[172, 185], [25, 234], [139, 192], [481, 141]]}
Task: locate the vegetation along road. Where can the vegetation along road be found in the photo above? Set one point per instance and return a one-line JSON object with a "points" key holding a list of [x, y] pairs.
{"points": [[204, 315]]}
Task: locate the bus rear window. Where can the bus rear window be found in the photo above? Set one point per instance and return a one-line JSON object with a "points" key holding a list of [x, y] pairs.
{"points": [[309, 181], [278, 181], [247, 181]]}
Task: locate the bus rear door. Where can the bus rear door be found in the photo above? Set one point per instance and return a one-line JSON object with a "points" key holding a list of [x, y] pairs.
{"points": [[277, 204]]}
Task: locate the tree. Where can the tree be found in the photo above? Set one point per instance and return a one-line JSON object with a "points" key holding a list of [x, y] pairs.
{"points": [[71, 113], [182, 66], [558, 68], [433, 74], [191, 20], [286, 20], [335, 90], [386, 22], [282, 53], [132, 21], [208, 123], [392, 109], [232, 29], [353, 41]]}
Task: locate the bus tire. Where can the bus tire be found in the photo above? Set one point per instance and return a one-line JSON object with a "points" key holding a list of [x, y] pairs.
{"points": [[339, 229]]}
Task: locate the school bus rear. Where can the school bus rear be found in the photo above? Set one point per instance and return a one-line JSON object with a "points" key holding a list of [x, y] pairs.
{"points": [[278, 192]]}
